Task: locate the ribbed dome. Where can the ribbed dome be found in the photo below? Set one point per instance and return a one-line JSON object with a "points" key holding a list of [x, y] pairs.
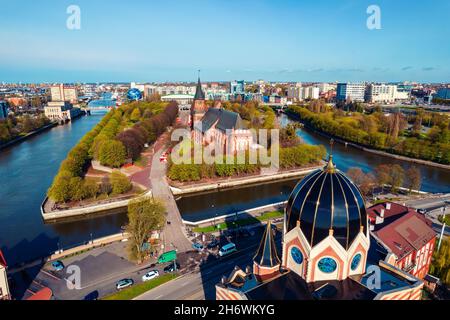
{"points": [[326, 199]]}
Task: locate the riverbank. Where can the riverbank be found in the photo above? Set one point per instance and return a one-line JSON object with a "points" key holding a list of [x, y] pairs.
{"points": [[28, 135], [365, 148], [228, 183]]}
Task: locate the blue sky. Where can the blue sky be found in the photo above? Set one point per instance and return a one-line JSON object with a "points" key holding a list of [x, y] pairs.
{"points": [[234, 39]]}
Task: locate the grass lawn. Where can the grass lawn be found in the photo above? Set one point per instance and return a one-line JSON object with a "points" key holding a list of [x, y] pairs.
{"points": [[138, 289], [239, 223]]}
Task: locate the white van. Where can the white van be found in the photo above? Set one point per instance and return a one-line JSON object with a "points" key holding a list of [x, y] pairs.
{"points": [[227, 249]]}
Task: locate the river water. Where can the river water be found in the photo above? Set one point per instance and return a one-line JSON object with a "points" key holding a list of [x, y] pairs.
{"points": [[27, 170]]}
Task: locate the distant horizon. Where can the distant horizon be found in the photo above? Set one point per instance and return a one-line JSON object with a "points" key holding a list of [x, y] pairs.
{"points": [[193, 82]]}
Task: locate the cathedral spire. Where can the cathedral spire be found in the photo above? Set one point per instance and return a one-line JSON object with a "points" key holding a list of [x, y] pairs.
{"points": [[199, 94], [267, 255]]}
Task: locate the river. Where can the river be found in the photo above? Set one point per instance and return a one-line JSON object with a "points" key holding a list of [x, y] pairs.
{"points": [[27, 170]]}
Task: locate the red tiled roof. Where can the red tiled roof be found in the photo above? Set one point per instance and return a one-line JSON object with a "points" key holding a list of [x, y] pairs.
{"points": [[2, 260], [407, 234], [395, 209]]}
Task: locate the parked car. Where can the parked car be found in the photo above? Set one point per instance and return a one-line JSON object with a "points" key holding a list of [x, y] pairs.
{"points": [[124, 283], [57, 265], [227, 249], [213, 244], [197, 246], [422, 211], [171, 268], [92, 295], [150, 275]]}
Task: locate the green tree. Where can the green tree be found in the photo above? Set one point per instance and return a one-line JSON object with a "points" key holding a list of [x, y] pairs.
{"points": [[120, 182], [76, 189], [90, 189], [112, 153], [440, 265], [144, 215], [60, 191], [135, 115]]}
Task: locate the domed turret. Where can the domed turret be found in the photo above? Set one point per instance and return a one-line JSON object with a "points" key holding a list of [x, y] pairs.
{"points": [[326, 202]]}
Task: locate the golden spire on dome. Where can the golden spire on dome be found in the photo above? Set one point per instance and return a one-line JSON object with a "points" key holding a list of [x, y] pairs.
{"points": [[330, 167]]}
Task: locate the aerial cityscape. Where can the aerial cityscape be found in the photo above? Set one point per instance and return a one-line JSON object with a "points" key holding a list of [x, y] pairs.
{"points": [[196, 152]]}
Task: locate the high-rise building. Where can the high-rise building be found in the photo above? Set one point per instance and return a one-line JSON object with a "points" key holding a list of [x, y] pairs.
{"points": [[310, 92], [237, 87], [350, 92], [3, 110], [63, 93]]}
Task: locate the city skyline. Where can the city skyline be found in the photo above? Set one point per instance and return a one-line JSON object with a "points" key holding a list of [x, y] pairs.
{"points": [[158, 42]]}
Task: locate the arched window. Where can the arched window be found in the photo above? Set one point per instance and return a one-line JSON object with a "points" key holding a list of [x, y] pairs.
{"points": [[296, 255], [356, 261], [327, 265]]}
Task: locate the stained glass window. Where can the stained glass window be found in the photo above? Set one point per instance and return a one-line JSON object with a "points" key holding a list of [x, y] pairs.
{"points": [[297, 255], [327, 265], [355, 262]]}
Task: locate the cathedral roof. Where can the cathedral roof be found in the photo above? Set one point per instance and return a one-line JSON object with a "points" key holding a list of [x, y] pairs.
{"points": [[267, 255], [327, 202], [225, 120], [199, 94]]}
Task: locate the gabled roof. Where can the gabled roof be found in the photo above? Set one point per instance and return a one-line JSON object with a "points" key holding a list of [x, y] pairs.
{"points": [[267, 255], [226, 120], [406, 234], [2, 260]]}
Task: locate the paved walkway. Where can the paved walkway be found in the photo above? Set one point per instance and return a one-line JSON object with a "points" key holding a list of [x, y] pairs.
{"points": [[174, 233]]}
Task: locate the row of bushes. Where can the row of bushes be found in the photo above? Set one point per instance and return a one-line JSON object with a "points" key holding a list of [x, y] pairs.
{"points": [[297, 156]]}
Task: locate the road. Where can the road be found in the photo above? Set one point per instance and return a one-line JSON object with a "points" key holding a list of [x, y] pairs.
{"points": [[174, 234], [200, 284]]}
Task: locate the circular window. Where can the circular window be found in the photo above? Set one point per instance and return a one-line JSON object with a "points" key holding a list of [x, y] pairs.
{"points": [[327, 265], [355, 262], [297, 255]]}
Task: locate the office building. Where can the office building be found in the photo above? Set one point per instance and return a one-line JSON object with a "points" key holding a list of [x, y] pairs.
{"points": [[237, 87], [62, 92], [61, 111], [350, 92]]}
